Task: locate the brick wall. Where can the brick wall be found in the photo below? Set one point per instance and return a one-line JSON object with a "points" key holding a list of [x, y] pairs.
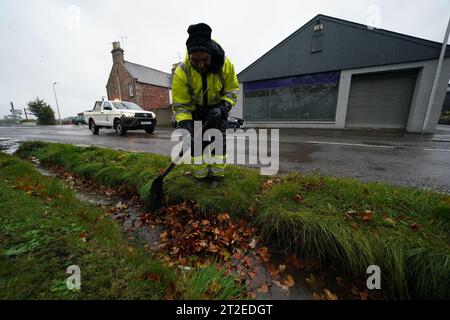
{"points": [[148, 97], [112, 88], [152, 97], [145, 95]]}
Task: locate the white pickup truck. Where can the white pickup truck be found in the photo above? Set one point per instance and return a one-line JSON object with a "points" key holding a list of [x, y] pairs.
{"points": [[120, 115]]}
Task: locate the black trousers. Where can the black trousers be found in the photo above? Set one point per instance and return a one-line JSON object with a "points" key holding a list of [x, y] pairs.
{"points": [[201, 114]]}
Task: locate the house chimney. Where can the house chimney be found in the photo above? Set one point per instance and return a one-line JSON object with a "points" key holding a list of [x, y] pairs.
{"points": [[117, 53]]}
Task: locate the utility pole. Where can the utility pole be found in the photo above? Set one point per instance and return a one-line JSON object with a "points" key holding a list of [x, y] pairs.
{"points": [[57, 106], [25, 110], [436, 77]]}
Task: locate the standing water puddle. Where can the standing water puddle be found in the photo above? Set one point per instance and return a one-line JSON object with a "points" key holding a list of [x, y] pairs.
{"points": [[9, 146]]}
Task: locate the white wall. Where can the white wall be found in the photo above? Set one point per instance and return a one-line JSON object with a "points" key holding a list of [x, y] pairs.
{"points": [[238, 109]]}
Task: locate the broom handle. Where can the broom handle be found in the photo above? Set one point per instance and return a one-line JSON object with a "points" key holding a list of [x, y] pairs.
{"points": [[174, 163]]}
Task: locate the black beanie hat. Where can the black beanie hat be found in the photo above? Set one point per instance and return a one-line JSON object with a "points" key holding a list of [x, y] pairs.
{"points": [[199, 38]]}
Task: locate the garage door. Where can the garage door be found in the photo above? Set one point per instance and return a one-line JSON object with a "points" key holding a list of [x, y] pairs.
{"points": [[381, 100]]}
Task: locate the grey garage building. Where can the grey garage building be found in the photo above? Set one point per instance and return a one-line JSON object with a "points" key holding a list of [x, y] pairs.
{"points": [[333, 73]]}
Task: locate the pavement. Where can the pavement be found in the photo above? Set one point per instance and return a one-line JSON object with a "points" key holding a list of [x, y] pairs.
{"points": [[392, 157]]}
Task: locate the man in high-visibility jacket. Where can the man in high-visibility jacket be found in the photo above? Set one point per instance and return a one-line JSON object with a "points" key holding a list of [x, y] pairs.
{"points": [[204, 88]]}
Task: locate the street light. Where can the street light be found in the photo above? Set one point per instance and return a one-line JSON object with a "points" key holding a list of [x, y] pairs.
{"points": [[57, 106]]}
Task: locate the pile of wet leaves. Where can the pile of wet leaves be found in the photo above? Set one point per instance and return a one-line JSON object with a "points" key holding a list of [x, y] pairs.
{"points": [[189, 231], [192, 238]]}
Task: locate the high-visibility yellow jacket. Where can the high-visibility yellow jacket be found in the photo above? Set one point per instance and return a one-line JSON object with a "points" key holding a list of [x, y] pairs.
{"points": [[187, 88]]}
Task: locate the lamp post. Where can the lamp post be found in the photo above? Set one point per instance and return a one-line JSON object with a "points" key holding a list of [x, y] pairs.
{"points": [[56, 99]]}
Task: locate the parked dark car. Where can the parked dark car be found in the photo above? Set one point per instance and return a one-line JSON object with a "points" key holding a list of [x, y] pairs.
{"points": [[233, 122], [78, 120]]}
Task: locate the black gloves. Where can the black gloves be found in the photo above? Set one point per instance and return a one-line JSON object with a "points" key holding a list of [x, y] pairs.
{"points": [[220, 112], [225, 107], [215, 114]]}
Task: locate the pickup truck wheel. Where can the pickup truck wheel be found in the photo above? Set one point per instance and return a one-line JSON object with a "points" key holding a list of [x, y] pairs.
{"points": [[93, 127], [119, 127], [150, 130]]}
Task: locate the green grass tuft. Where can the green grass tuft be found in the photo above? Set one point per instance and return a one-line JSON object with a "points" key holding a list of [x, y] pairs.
{"points": [[211, 281], [325, 223]]}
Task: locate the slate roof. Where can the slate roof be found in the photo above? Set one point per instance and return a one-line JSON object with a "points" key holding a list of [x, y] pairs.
{"points": [[148, 75], [345, 45]]}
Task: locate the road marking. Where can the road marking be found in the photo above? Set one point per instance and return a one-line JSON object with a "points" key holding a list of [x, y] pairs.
{"points": [[352, 144], [438, 150]]}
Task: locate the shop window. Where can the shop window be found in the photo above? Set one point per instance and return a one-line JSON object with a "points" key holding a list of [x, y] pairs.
{"points": [[256, 105]]}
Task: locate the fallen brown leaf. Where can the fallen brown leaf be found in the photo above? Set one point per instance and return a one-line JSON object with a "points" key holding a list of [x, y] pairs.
{"points": [[264, 288], [253, 273], [171, 291], [215, 287], [151, 276], [364, 295], [248, 261], [355, 291], [295, 262], [329, 296], [263, 252], [289, 281], [251, 295], [368, 216], [317, 296], [268, 184], [340, 281], [311, 280], [280, 285]]}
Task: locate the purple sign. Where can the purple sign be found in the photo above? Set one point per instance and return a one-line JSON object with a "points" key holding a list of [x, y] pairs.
{"points": [[327, 77]]}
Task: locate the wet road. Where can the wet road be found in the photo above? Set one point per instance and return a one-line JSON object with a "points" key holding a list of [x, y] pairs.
{"points": [[390, 157]]}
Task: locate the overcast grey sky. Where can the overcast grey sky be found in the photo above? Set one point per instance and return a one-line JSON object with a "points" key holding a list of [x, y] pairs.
{"points": [[69, 42]]}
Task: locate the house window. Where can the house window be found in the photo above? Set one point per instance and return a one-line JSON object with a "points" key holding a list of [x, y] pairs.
{"points": [[131, 90]]}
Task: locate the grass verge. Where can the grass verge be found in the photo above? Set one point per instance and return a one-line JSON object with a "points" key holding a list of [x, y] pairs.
{"points": [[45, 229], [341, 222], [137, 170]]}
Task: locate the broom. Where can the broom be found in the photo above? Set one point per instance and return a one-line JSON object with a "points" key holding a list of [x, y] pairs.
{"points": [[156, 191]]}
